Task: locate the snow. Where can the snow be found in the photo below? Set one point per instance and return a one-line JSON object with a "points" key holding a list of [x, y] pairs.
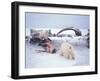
{"points": [[43, 59], [35, 59]]}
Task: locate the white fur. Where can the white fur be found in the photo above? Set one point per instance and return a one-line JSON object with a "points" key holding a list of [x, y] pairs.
{"points": [[67, 51]]}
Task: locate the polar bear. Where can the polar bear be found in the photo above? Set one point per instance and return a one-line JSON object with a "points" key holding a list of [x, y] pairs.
{"points": [[67, 51]]}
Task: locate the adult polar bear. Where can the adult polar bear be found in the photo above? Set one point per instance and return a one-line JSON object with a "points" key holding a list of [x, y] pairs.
{"points": [[67, 51]]}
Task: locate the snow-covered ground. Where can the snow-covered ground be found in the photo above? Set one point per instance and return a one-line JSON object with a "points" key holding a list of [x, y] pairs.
{"points": [[35, 59]]}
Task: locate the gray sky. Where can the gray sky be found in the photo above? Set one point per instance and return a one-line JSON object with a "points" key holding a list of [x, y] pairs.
{"points": [[44, 20]]}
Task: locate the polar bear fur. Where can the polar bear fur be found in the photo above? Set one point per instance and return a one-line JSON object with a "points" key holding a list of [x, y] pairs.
{"points": [[67, 51]]}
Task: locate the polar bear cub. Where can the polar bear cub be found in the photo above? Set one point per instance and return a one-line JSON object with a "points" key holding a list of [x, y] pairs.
{"points": [[67, 51]]}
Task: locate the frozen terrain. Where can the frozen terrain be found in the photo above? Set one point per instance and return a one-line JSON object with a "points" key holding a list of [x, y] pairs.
{"points": [[35, 59]]}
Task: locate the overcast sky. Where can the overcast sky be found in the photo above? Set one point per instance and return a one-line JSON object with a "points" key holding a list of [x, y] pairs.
{"points": [[44, 20]]}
